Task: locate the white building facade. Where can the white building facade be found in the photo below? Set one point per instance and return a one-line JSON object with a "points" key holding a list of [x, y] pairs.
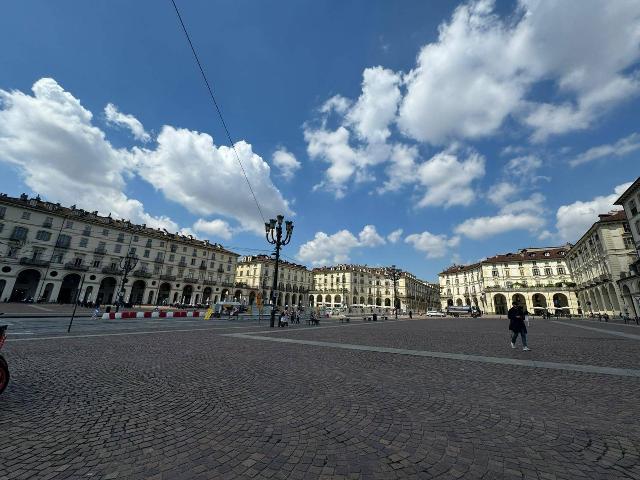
{"points": [[254, 275], [598, 260], [51, 253], [537, 278], [360, 288], [629, 284]]}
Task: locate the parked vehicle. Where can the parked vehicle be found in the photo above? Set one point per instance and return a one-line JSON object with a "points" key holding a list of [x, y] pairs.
{"points": [[435, 313], [4, 368], [464, 311]]}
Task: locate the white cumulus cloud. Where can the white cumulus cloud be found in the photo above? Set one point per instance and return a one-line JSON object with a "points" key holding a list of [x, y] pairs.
{"points": [[394, 236], [434, 246], [286, 163], [620, 148], [326, 249], [115, 117], [573, 220], [484, 227], [217, 228]]}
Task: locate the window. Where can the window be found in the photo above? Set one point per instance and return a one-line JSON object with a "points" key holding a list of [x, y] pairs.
{"points": [[87, 231], [19, 233], [628, 242], [1, 227], [37, 253], [536, 271], [83, 242], [57, 257], [105, 232], [132, 251], [493, 273], [118, 248], [77, 261], [96, 264], [48, 222], [193, 261], [26, 215], [213, 256], [63, 241], [174, 248], [43, 235], [172, 258], [548, 271], [68, 224], [633, 207], [3, 211], [120, 238], [135, 238], [228, 268], [102, 247], [148, 245], [560, 270], [156, 268], [146, 253]]}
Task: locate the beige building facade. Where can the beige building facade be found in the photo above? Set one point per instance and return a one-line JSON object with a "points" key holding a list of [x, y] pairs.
{"points": [[52, 253], [598, 260], [366, 289], [629, 283], [254, 275], [537, 278]]}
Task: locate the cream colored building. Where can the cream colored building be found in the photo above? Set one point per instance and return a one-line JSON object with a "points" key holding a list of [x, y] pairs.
{"points": [[538, 278], [629, 284], [598, 260], [254, 274], [363, 288], [53, 253]]}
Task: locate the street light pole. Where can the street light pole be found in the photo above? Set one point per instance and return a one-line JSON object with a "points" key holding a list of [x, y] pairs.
{"points": [[127, 264], [273, 232], [394, 273]]}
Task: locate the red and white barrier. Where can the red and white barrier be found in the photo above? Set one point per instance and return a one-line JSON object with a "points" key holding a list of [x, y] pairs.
{"points": [[149, 314]]}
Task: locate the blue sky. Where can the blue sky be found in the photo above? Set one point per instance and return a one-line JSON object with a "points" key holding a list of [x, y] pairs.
{"points": [[415, 133]]}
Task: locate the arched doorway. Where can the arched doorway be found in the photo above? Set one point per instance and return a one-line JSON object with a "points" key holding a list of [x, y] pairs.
{"points": [[69, 288], [387, 302], [294, 299], [88, 293], [252, 298], [318, 299], [26, 285], [378, 302], [337, 300], [137, 292], [327, 299], [539, 303], [459, 302], [500, 304], [163, 293], [106, 290], [369, 301], [519, 299], [287, 300], [560, 301], [450, 302], [614, 298], [362, 301], [187, 292], [311, 298], [223, 295], [467, 301], [237, 295]]}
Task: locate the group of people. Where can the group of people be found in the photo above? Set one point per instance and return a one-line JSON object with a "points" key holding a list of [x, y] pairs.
{"points": [[288, 316]]}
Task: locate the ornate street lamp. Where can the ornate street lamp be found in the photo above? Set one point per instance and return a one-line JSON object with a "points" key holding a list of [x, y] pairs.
{"points": [[394, 274], [273, 232], [127, 264]]}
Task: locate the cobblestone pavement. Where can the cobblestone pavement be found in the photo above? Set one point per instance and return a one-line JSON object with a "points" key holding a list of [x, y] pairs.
{"points": [[210, 401]]}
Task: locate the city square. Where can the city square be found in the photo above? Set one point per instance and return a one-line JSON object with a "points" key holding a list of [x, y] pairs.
{"points": [[421, 398]]}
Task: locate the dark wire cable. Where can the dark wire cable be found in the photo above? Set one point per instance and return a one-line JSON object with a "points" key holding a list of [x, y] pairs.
{"points": [[195, 55]]}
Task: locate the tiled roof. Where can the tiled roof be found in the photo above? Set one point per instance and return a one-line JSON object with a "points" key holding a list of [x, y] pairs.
{"points": [[523, 255]]}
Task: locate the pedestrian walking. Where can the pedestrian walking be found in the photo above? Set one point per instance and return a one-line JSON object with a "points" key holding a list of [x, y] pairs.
{"points": [[410, 314], [517, 326]]}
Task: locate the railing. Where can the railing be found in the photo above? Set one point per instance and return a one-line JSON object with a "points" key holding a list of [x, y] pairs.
{"points": [[529, 288], [159, 260], [74, 266], [190, 280], [111, 270], [100, 250], [202, 267], [169, 278], [209, 282], [141, 274], [35, 262]]}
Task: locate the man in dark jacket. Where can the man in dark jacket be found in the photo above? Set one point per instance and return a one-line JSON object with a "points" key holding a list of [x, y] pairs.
{"points": [[517, 326]]}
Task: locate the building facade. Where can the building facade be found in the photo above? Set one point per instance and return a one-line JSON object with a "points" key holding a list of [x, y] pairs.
{"points": [[599, 259], [537, 278], [254, 275], [629, 283], [51, 253], [367, 289]]}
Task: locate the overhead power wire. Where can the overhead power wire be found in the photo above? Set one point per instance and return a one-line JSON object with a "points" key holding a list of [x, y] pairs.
{"points": [[204, 77]]}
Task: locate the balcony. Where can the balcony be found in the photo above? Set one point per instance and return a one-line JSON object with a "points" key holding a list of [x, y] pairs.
{"points": [[76, 267], [141, 274], [168, 278], [100, 250], [63, 244], [209, 282], [202, 267], [158, 260], [226, 284], [111, 270], [182, 263], [190, 280], [34, 262]]}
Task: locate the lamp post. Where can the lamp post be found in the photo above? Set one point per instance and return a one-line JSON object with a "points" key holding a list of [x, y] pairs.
{"points": [[394, 273], [127, 264], [273, 232]]}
